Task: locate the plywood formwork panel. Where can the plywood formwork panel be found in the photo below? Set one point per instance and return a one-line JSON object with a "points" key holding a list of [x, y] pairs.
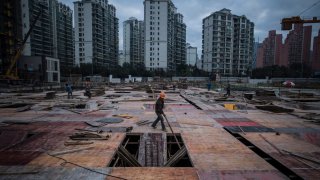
{"points": [[243, 174], [98, 156], [61, 172], [215, 149], [275, 144], [275, 120], [152, 173], [282, 142]]}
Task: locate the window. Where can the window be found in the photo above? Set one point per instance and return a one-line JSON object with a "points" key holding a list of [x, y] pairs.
{"points": [[56, 66], [55, 77]]}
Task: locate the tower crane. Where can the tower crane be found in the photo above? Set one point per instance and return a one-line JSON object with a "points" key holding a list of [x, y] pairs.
{"points": [[286, 23], [11, 73]]}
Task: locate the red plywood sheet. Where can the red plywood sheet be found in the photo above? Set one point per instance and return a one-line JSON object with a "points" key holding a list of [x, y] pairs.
{"points": [[11, 138], [13, 158]]}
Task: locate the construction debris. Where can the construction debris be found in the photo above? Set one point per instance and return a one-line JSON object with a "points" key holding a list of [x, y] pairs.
{"points": [[72, 143], [110, 120], [274, 109], [143, 122], [110, 129], [126, 116], [69, 151], [89, 136]]}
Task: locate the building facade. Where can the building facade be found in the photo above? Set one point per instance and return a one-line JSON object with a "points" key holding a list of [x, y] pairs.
{"points": [[192, 55], [270, 50], [121, 58], [39, 68], [43, 38], [316, 53], [52, 35], [133, 41], [297, 45], [179, 41], [256, 47], [227, 43], [10, 31], [65, 38], [161, 41], [96, 33]]}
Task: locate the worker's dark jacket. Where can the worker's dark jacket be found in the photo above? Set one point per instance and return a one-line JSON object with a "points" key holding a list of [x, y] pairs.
{"points": [[159, 106]]}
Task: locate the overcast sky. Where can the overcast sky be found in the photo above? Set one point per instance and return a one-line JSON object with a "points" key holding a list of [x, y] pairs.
{"points": [[266, 14]]}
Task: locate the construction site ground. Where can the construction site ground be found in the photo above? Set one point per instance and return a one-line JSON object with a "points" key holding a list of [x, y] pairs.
{"points": [[47, 136]]}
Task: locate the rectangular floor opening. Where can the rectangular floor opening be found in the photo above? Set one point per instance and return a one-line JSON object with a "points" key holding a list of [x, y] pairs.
{"points": [[151, 150]]}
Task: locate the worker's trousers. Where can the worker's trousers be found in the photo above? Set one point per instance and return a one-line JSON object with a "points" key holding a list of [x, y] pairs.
{"points": [[159, 118]]}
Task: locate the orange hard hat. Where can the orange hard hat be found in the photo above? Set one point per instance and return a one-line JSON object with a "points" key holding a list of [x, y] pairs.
{"points": [[162, 95]]}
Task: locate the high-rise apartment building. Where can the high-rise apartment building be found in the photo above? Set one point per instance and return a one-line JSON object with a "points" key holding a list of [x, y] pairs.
{"points": [[96, 33], [192, 55], [227, 43], [270, 50], [161, 40], [65, 38], [316, 53], [179, 40], [10, 31], [52, 34], [133, 41], [43, 38], [256, 47], [297, 45]]}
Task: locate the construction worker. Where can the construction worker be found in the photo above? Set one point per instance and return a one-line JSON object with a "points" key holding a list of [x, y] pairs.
{"points": [[87, 89], [228, 90], [69, 91], [159, 111]]}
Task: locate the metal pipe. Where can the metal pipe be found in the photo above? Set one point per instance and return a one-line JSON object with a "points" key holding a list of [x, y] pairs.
{"points": [[175, 137]]}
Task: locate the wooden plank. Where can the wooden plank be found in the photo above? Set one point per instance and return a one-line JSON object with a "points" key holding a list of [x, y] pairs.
{"points": [[71, 143], [69, 151], [125, 155], [176, 157]]}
